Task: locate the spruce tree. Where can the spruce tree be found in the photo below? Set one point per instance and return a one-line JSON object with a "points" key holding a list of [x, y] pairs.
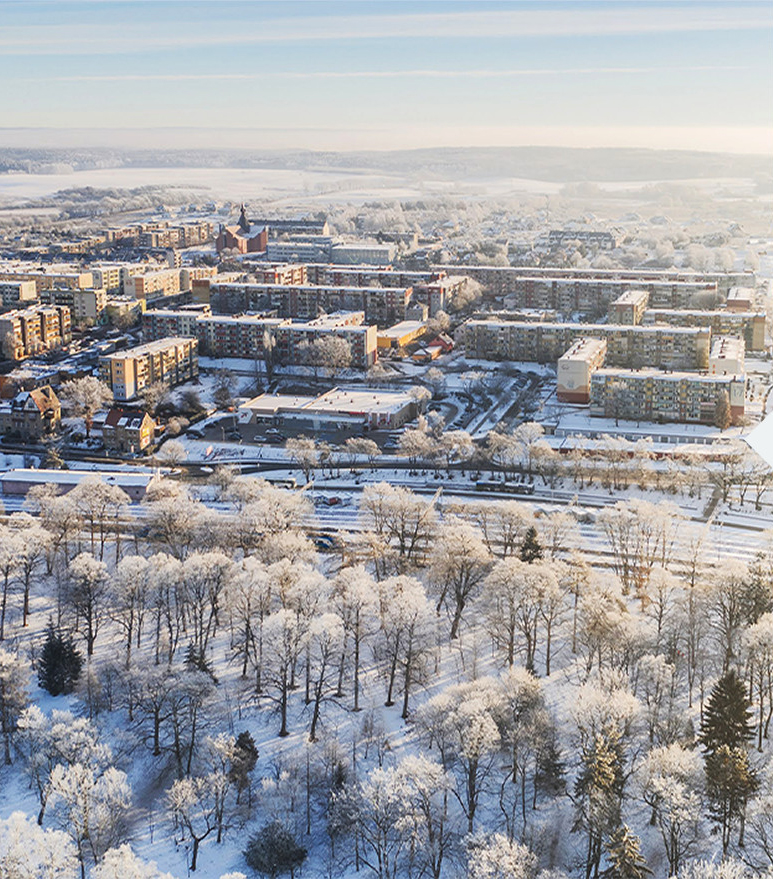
{"points": [[727, 719], [60, 663], [531, 548], [195, 660], [245, 756], [273, 850], [625, 857]]}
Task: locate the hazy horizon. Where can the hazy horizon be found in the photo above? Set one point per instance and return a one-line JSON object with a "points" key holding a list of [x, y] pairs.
{"points": [[384, 76]]}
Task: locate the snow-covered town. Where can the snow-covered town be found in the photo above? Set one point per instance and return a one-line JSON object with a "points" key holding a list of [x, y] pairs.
{"points": [[382, 513]]}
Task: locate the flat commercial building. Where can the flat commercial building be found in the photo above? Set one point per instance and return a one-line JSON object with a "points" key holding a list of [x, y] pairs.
{"points": [[335, 409], [662, 347], [170, 361], [727, 356], [19, 482], [401, 334], [575, 368], [752, 325], [649, 395], [629, 307]]}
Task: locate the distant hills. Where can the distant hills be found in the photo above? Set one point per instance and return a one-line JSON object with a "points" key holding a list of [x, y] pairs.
{"points": [[556, 164]]}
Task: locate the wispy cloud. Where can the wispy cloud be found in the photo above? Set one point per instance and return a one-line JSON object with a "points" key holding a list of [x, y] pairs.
{"points": [[378, 74], [142, 33]]}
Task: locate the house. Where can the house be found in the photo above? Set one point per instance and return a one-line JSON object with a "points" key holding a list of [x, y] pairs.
{"points": [[128, 430], [31, 414]]}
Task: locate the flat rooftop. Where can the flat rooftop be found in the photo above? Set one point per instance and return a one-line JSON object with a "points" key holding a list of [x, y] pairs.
{"points": [[631, 297], [157, 347], [592, 328], [583, 348], [642, 374], [402, 329]]}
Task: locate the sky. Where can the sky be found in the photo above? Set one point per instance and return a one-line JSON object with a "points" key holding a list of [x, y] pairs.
{"points": [[387, 75]]}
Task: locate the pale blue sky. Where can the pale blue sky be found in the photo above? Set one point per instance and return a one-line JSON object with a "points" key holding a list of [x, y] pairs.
{"points": [[397, 74]]}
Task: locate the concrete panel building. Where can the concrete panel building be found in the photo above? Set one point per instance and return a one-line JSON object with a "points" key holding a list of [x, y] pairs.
{"points": [[575, 368], [727, 356], [663, 347], [649, 395], [170, 361], [629, 307], [752, 325]]}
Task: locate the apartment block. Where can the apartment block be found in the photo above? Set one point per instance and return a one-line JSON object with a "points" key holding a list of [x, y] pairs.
{"points": [[154, 284], [195, 273], [595, 239], [649, 395], [33, 330], [160, 322], [291, 339], [363, 253], [627, 346], [242, 336], [727, 356], [575, 368], [751, 325], [109, 276], [171, 361], [367, 276], [286, 273], [500, 280], [15, 293], [45, 276], [629, 307], [311, 248], [381, 305], [740, 299]]}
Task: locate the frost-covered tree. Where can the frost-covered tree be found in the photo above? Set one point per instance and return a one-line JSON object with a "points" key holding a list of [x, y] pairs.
{"points": [[196, 805], [494, 856], [87, 592], [461, 723], [14, 696], [47, 741], [129, 590], [403, 521], [91, 806], [355, 599], [672, 782], [84, 397], [325, 644], [458, 564], [122, 863], [11, 547], [29, 852], [99, 506], [283, 641], [406, 630]]}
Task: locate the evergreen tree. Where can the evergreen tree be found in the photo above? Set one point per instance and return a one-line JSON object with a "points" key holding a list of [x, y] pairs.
{"points": [[60, 663], [245, 756], [625, 857], [598, 793], [195, 660], [273, 850], [727, 719], [531, 548], [723, 417], [730, 781]]}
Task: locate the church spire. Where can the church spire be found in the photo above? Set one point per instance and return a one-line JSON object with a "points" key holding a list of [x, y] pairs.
{"points": [[244, 223]]}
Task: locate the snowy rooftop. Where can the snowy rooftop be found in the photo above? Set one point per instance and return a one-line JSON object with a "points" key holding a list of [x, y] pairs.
{"points": [[73, 477], [641, 374]]}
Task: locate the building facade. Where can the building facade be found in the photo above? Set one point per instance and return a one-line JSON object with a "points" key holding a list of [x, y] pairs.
{"points": [[170, 361]]}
